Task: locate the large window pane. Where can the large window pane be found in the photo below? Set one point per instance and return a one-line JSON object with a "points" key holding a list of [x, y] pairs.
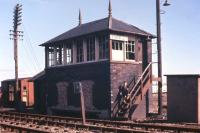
{"points": [[90, 48], [79, 56], [51, 56], [68, 52], [58, 51], [103, 47], [117, 45]]}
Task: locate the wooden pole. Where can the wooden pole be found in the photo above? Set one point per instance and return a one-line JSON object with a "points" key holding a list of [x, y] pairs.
{"points": [[17, 22], [16, 67], [82, 105]]}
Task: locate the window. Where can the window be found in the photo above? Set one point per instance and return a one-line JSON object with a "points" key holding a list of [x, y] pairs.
{"points": [[77, 87], [61, 54], [130, 50], [90, 48], [79, 56], [103, 47], [51, 56], [58, 56], [55, 55], [117, 45], [11, 93], [117, 50], [69, 55]]}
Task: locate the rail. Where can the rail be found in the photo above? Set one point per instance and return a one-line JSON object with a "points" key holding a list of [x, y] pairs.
{"points": [[58, 122], [20, 129], [100, 125]]}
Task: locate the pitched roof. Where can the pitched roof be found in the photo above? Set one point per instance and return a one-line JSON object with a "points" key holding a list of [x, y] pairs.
{"points": [[99, 25]]}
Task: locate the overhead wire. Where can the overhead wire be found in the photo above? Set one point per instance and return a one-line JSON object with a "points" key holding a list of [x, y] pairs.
{"points": [[30, 46], [28, 55]]}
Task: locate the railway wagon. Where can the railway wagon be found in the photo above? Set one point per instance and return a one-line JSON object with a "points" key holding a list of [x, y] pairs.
{"points": [[12, 98]]}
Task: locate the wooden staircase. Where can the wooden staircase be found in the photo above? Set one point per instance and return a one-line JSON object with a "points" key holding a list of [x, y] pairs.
{"points": [[137, 92]]}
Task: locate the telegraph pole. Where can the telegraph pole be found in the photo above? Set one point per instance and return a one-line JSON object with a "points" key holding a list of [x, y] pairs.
{"points": [[15, 33]]}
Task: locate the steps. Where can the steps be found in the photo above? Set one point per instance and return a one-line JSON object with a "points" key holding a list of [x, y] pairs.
{"points": [[136, 93]]}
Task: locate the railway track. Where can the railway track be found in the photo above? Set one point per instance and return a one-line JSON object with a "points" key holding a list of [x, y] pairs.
{"points": [[45, 123]]}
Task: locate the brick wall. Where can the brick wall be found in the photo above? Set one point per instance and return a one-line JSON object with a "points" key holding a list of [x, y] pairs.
{"points": [[95, 82], [121, 72]]}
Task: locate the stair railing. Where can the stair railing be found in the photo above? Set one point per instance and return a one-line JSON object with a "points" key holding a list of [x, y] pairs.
{"points": [[137, 88]]}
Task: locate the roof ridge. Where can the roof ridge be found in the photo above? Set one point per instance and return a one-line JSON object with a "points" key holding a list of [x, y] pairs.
{"points": [[49, 41], [107, 23], [91, 22], [131, 25]]}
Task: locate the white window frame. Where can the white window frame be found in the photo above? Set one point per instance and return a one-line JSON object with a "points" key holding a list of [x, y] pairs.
{"points": [[130, 50], [67, 54], [117, 50], [50, 59], [117, 45], [59, 55]]}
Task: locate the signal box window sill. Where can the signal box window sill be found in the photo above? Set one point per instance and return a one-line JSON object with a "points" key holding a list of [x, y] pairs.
{"points": [[78, 63], [127, 62]]}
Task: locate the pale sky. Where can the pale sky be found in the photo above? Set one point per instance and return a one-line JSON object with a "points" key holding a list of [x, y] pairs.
{"points": [[45, 19]]}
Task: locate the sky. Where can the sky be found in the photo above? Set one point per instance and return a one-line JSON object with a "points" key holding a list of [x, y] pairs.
{"points": [[45, 19]]}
